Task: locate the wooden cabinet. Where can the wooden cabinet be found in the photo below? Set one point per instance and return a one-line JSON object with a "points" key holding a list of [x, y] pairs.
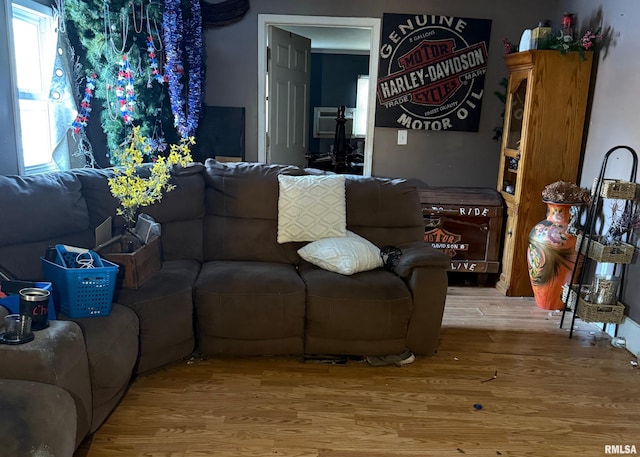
{"points": [[464, 223], [541, 143]]}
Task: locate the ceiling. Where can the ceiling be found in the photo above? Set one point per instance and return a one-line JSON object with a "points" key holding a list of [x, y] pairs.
{"points": [[334, 39]]}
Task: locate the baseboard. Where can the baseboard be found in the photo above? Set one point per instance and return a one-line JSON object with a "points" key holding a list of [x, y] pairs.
{"points": [[630, 331]]}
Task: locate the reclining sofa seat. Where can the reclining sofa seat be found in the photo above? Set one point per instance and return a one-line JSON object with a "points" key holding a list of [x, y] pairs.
{"points": [[164, 303], [95, 358], [91, 358], [37, 419], [254, 296], [249, 298]]}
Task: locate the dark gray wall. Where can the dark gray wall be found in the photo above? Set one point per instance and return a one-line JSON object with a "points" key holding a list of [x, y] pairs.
{"points": [[438, 158]]}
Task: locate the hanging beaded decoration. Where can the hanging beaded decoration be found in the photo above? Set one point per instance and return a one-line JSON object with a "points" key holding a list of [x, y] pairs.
{"points": [[124, 90], [110, 105], [133, 13], [154, 65], [80, 123], [150, 32], [110, 30]]}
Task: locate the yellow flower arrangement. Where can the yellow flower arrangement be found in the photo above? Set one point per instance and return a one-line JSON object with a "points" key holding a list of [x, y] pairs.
{"points": [[135, 191]]}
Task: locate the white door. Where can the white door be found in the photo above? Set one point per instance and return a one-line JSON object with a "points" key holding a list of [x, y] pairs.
{"points": [[288, 97]]}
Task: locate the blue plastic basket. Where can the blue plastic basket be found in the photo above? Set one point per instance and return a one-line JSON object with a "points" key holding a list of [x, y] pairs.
{"points": [[81, 292]]}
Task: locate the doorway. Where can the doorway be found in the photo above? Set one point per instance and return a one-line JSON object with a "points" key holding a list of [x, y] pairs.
{"points": [[267, 20]]}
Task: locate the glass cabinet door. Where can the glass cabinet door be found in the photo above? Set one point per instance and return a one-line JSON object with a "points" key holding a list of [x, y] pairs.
{"points": [[514, 114], [515, 110]]}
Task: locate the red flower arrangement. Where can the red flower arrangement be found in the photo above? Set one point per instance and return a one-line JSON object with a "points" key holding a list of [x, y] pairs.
{"points": [[563, 43]]}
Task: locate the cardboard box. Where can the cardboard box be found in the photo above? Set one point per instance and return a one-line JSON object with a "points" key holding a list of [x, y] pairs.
{"points": [[137, 262]]}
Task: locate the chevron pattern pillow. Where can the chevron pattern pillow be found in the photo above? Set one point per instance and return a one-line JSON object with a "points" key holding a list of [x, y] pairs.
{"points": [[311, 207], [346, 255]]}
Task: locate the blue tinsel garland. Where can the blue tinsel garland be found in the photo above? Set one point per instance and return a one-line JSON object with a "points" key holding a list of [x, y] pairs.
{"points": [[185, 118]]}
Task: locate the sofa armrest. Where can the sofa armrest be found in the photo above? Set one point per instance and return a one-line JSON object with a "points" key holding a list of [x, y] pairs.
{"points": [[37, 419], [56, 356], [419, 255], [424, 271]]}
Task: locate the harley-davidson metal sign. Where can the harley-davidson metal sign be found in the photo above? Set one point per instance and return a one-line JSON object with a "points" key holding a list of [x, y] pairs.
{"points": [[432, 71], [445, 241]]}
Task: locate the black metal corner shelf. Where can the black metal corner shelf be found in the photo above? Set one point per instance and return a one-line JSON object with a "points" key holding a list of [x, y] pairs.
{"points": [[580, 269]]}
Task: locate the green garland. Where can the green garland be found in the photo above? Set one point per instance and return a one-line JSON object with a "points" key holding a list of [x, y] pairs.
{"points": [[153, 111]]}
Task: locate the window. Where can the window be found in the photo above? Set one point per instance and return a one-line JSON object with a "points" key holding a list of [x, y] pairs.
{"points": [[34, 44], [362, 106]]}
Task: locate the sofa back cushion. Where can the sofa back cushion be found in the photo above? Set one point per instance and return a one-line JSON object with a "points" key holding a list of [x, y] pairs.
{"points": [[40, 206], [37, 211], [241, 213], [180, 211], [95, 189], [384, 211], [241, 218]]}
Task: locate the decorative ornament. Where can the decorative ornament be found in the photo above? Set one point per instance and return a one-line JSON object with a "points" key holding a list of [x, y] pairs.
{"points": [[80, 122], [133, 14], [153, 62], [109, 29], [563, 42], [186, 113], [104, 28], [124, 90], [568, 23], [155, 28], [509, 48]]}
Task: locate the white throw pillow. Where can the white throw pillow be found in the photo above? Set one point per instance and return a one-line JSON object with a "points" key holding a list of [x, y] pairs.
{"points": [[311, 207], [345, 255]]}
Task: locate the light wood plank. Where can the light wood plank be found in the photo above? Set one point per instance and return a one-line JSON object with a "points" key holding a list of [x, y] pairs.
{"points": [[552, 396]]}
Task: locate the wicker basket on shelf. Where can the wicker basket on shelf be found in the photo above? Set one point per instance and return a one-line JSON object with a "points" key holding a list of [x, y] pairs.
{"points": [[616, 189], [619, 253], [593, 312], [571, 303]]}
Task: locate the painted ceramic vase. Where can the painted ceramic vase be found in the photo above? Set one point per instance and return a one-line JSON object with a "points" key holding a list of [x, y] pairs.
{"points": [[551, 256]]}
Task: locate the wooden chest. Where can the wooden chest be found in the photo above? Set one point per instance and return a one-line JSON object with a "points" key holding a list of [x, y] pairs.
{"points": [[136, 267], [465, 223]]}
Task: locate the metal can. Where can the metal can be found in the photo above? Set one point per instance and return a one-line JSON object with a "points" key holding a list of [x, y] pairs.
{"points": [[34, 302]]}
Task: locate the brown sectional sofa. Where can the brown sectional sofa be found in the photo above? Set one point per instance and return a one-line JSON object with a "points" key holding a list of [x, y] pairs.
{"points": [[225, 288]]}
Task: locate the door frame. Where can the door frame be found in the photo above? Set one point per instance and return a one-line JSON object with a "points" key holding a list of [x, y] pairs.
{"points": [[372, 24]]}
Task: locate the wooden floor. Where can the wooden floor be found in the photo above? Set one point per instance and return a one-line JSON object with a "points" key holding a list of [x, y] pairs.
{"points": [[552, 396]]}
